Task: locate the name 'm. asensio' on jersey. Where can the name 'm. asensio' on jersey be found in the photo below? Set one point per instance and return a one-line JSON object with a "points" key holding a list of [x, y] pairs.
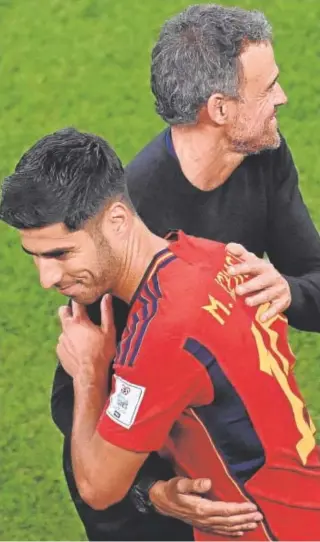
{"points": [[200, 378]]}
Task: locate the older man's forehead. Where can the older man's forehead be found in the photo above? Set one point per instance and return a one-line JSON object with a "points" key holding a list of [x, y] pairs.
{"points": [[258, 63]]}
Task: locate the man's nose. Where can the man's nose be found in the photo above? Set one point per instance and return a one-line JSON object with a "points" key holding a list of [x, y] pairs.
{"points": [[50, 272], [281, 97]]}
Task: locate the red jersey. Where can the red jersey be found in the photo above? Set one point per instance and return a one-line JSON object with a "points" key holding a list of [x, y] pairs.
{"points": [[200, 378]]}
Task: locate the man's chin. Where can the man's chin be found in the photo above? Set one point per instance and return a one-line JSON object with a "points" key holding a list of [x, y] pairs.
{"points": [[84, 300], [273, 142], [269, 144], [249, 147]]}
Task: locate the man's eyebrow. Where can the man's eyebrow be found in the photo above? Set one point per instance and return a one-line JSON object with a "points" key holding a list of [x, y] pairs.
{"points": [[50, 253]]}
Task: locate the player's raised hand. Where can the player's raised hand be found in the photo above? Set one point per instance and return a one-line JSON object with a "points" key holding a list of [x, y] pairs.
{"points": [[267, 285], [84, 346], [182, 498]]}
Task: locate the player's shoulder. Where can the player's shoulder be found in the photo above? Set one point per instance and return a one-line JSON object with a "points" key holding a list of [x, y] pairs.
{"points": [[166, 303], [155, 324], [189, 276], [197, 254]]}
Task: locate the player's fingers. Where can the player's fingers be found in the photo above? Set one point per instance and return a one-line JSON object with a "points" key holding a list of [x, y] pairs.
{"points": [[198, 485], [79, 312], [64, 341], [65, 315], [61, 349], [107, 320]]}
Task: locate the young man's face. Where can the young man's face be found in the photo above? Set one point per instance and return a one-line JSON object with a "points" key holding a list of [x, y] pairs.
{"points": [[77, 264], [254, 127]]}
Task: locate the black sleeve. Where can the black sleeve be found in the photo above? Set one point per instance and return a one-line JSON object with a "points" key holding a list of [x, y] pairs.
{"points": [[294, 243], [62, 398]]}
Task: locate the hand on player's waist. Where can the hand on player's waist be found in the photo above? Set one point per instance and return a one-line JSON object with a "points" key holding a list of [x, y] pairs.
{"points": [[182, 498]]}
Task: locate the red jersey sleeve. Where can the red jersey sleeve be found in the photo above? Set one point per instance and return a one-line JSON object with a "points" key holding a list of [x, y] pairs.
{"points": [[153, 383]]}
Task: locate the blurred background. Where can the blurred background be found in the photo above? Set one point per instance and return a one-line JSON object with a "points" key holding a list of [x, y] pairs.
{"points": [[86, 63]]}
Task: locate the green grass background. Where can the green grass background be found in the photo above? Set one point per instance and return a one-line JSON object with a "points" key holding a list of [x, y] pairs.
{"points": [[86, 63]]}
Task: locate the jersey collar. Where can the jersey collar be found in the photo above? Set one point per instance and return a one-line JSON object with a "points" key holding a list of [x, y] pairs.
{"points": [[158, 261]]}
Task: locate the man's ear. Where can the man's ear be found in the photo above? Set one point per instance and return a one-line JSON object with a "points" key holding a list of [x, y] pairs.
{"points": [[115, 219], [218, 109]]}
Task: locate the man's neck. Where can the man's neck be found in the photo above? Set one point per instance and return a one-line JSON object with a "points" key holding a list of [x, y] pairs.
{"points": [[141, 248], [204, 156]]}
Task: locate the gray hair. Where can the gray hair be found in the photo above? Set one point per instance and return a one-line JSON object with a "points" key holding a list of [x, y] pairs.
{"points": [[197, 55]]}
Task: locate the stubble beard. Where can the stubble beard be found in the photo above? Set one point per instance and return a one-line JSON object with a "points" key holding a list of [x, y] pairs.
{"points": [[241, 142]]}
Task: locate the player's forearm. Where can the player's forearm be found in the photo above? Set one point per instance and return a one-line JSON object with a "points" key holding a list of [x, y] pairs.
{"points": [[103, 472], [90, 398]]}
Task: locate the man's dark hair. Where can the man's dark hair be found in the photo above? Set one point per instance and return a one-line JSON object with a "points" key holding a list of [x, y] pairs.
{"points": [[67, 177], [197, 55]]}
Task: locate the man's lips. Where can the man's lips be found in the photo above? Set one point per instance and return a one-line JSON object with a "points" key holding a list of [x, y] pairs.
{"points": [[66, 289]]}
